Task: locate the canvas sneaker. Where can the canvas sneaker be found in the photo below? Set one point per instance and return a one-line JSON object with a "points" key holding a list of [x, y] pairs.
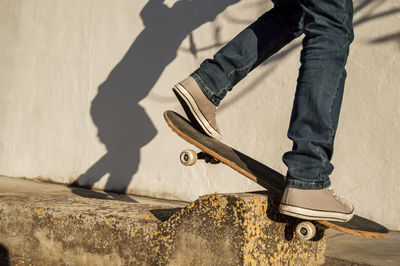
{"points": [[199, 109], [322, 204]]}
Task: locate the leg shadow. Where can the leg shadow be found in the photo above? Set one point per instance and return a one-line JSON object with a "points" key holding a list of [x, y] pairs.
{"points": [[123, 125]]}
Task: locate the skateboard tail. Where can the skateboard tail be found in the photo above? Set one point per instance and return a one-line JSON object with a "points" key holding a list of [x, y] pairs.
{"points": [[359, 226]]}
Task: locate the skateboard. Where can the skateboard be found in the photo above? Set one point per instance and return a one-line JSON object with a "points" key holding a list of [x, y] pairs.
{"points": [[215, 151]]}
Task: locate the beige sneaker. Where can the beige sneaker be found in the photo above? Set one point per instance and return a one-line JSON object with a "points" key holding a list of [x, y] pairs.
{"points": [[322, 204], [198, 107]]}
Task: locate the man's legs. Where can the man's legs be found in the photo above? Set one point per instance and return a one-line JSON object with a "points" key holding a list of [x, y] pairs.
{"points": [[328, 29], [272, 31], [328, 34], [315, 114], [208, 85]]}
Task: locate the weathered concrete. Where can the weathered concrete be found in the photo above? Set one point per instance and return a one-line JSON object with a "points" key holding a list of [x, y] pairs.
{"points": [[50, 224]]}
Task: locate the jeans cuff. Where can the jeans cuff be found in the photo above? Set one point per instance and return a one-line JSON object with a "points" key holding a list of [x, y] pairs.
{"points": [[307, 184], [210, 95]]}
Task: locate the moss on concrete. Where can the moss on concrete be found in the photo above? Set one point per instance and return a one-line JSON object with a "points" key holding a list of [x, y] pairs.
{"points": [[50, 225]]}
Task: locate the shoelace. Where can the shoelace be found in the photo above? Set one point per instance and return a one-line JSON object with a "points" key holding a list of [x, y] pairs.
{"points": [[336, 196]]}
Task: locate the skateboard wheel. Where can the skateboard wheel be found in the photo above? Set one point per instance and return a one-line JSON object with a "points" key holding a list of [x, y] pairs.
{"points": [[305, 230], [188, 157]]}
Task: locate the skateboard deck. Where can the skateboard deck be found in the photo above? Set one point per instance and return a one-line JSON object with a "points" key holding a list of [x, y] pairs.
{"points": [[271, 180]]}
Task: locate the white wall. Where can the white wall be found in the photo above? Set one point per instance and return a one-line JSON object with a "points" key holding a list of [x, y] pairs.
{"points": [[84, 85]]}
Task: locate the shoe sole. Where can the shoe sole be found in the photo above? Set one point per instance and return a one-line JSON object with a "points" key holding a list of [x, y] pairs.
{"points": [[195, 111], [308, 214]]}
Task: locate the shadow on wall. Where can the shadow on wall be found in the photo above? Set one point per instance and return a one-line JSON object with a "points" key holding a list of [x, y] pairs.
{"points": [[123, 126], [4, 256]]}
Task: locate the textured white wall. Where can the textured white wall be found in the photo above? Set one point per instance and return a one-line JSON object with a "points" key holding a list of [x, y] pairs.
{"points": [[84, 85]]}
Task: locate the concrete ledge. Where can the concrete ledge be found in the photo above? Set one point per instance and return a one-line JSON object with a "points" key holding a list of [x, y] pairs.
{"points": [[236, 229], [52, 224]]}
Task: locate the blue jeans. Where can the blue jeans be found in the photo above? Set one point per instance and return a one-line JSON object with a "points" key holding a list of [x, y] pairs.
{"points": [[328, 32]]}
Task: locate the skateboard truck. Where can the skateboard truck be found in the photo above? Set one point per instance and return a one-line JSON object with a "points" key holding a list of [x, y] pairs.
{"points": [[189, 157]]}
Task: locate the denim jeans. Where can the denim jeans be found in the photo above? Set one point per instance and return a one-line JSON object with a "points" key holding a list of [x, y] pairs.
{"points": [[328, 32]]}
